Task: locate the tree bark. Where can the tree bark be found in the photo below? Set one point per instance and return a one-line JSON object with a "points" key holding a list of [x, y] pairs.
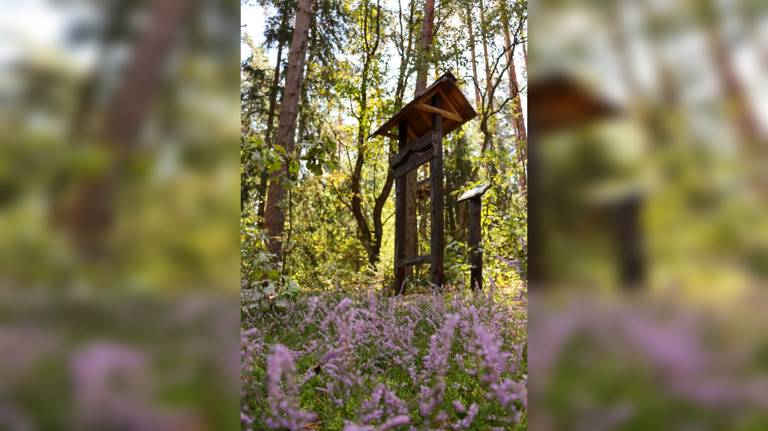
{"points": [[486, 59], [406, 52], [473, 55], [264, 178], [274, 216], [518, 119], [424, 46]]}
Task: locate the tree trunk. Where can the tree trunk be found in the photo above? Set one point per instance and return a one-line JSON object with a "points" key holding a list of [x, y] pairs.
{"points": [[518, 119], [406, 51], [473, 55], [264, 178], [424, 46], [274, 216], [486, 59], [93, 207]]}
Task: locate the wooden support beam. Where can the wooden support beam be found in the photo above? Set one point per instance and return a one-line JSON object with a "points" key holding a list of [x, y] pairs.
{"points": [[437, 244], [400, 204], [442, 112], [447, 101]]}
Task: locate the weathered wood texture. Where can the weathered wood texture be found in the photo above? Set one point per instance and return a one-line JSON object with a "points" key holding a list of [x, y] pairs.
{"points": [[437, 247], [476, 259], [417, 145], [414, 162], [400, 203]]}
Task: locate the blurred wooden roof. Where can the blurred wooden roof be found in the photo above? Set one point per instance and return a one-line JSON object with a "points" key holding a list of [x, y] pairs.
{"points": [[560, 101], [454, 108]]}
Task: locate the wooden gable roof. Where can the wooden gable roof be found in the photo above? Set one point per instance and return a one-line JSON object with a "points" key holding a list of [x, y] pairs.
{"points": [[561, 101], [454, 107]]}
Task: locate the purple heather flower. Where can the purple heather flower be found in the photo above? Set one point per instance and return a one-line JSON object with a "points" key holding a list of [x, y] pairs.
{"points": [[466, 422], [282, 392], [458, 406], [436, 365], [395, 422]]}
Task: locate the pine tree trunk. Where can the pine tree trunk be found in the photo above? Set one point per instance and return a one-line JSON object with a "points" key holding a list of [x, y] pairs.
{"points": [[274, 216], [473, 56], [486, 59], [518, 119], [424, 46], [264, 178], [93, 207]]}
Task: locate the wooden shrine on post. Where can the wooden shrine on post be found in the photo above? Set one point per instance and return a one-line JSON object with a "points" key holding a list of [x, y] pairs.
{"points": [[473, 196], [421, 124], [560, 102]]}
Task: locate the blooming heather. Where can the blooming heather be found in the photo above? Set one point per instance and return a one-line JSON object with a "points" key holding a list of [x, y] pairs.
{"points": [[282, 392], [373, 363]]}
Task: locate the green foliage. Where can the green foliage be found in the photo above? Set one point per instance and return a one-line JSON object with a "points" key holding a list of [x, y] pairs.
{"points": [[349, 88]]}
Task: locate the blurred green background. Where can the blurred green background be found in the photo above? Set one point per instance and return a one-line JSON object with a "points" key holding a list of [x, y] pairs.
{"points": [[651, 127], [119, 210]]}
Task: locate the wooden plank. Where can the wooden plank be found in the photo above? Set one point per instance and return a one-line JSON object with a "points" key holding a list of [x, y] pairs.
{"points": [[447, 114], [400, 204], [437, 244], [447, 100], [414, 162], [420, 144]]}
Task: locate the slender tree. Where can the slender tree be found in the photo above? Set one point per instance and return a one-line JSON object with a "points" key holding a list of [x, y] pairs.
{"points": [[521, 136], [425, 43], [468, 19], [274, 215], [264, 176], [371, 40], [94, 201]]}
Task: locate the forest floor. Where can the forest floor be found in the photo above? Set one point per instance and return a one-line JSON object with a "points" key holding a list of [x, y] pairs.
{"points": [[366, 362]]}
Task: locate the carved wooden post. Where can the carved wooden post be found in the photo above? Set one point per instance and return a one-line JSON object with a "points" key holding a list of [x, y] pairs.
{"points": [[437, 246], [400, 204], [474, 197], [475, 240], [629, 239]]}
